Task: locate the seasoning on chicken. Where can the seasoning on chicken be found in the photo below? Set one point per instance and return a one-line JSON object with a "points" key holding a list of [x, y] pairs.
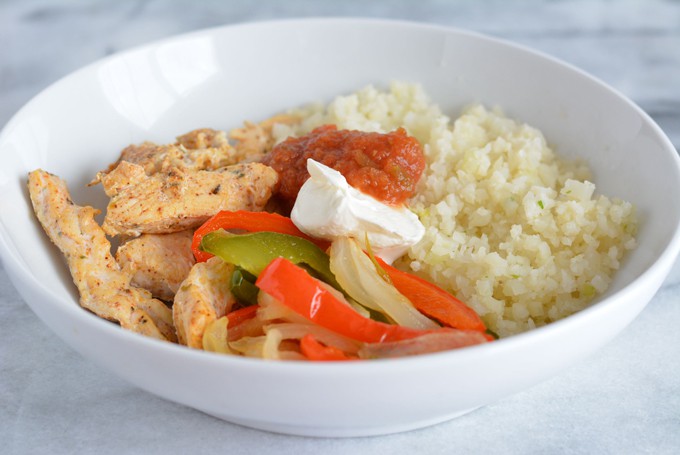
{"points": [[176, 200], [197, 150], [104, 288], [158, 262], [201, 299]]}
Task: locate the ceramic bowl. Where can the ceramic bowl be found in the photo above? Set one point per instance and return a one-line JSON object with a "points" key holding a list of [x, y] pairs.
{"points": [[220, 77]]}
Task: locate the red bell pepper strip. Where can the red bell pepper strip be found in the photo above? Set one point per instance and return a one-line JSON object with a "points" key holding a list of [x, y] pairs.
{"points": [[247, 221], [299, 291], [242, 314], [314, 350], [433, 301]]}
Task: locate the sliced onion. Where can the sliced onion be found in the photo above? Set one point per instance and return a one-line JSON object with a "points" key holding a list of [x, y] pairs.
{"points": [[271, 309], [249, 346], [250, 328], [358, 277], [261, 347], [432, 342], [351, 302], [270, 347], [293, 331], [215, 336]]}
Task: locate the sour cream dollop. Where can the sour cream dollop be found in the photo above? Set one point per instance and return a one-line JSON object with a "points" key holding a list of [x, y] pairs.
{"points": [[328, 207]]}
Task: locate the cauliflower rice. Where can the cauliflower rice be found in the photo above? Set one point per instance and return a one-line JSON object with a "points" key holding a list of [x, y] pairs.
{"points": [[511, 229]]}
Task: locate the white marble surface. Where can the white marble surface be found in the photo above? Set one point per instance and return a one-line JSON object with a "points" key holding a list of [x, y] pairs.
{"points": [[623, 399]]}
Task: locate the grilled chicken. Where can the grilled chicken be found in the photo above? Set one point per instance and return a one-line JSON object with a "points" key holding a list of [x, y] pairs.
{"points": [[158, 262], [104, 288], [204, 138], [253, 140], [201, 299], [176, 200], [198, 150]]}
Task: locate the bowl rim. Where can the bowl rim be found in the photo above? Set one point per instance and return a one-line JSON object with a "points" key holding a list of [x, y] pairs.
{"points": [[595, 308]]}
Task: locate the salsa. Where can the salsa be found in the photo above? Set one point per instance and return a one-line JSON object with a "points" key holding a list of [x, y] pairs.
{"points": [[385, 166]]}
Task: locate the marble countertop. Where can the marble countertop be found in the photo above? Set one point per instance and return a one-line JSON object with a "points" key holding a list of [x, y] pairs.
{"points": [[623, 399]]}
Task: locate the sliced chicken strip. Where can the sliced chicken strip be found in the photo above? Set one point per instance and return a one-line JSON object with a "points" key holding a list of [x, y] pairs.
{"points": [[201, 299], [202, 149], [177, 200], [158, 262], [104, 288]]}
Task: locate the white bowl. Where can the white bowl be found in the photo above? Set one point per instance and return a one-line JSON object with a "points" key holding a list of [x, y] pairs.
{"points": [[219, 77]]}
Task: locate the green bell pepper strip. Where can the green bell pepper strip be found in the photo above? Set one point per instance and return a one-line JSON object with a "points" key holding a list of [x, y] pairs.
{"points": [[242, 287], [253, 252]]}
